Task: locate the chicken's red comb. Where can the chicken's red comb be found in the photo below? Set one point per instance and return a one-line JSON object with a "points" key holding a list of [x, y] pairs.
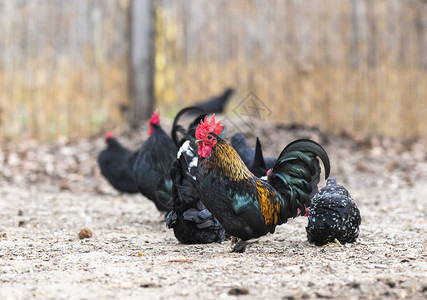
{"points": [[155, 118], [109, 135], [205, 127]]}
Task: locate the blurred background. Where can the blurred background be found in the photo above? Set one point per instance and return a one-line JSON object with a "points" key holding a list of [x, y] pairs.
{"points": [[76, 68]]}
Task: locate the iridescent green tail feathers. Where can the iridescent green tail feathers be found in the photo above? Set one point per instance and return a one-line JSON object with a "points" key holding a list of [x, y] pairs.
{"points": [[297, 174]]}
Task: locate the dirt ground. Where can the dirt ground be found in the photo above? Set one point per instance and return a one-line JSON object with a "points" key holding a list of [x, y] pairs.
{"points": [[49, 191]]}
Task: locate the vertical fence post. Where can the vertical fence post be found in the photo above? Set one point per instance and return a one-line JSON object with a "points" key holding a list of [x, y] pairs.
{"points": [[142, 48]]}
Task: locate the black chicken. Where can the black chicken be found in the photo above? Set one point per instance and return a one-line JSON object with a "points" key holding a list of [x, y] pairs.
{"points": [[152, 166], [216, 104], [253, 158], [191, 221], [116, 163], [247, 206], [333, 215]]}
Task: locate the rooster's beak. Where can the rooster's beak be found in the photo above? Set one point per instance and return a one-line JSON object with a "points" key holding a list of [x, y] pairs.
{"points": [[197, 141]]}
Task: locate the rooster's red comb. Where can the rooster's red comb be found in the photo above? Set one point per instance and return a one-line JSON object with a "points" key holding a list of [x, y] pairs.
{"points": [[109, 135], [155, 118], [205, 127]]}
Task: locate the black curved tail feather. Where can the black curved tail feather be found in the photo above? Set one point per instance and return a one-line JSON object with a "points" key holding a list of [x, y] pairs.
{"points": [[297, 174], [176, 128]]}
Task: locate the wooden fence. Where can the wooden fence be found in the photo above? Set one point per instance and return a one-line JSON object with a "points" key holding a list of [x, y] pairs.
{"points": [[357, 65], [63, 66]]}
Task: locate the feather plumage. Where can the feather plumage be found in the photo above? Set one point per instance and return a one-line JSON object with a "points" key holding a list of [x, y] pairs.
{"points": [[247, 206], [116, 163], [253, 158], [190, 219], [152, 168], [333, 215], [179, 129]]}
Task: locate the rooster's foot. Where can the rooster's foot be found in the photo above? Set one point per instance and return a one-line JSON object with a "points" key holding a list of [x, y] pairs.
{"points": [[237, 245], [335, 243]]}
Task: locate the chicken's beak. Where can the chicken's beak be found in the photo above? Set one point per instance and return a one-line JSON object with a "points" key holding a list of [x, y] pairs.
{"points": [[197, 141]]}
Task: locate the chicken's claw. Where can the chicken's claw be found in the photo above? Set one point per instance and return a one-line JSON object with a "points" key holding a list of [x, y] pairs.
{"points": [[237, 245], [335, 243]]}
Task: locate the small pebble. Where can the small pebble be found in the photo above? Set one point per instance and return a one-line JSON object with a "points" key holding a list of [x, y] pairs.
{"points": [[85, 233]]}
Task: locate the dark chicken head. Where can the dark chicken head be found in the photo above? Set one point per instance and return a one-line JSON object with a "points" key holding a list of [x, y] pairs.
{"points": [[155, 119], [207, 135]]}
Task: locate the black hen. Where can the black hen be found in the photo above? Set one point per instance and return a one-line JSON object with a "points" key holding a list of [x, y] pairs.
{"points": [[216, 104], [116, 163], [333, 215], [152, 166], [192, 223], [253, 158]]}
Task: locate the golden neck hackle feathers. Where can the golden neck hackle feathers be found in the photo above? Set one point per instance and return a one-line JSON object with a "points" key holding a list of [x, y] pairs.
{"points": [[225, 159]]}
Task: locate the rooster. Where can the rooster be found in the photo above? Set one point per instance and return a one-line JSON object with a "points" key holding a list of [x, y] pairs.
{"points": [[247, 206], [116, 163], [191, 222], [333, 215], [152, 166]]}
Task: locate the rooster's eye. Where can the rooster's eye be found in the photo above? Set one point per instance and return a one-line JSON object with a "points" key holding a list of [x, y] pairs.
{"points": [[209, 137]]}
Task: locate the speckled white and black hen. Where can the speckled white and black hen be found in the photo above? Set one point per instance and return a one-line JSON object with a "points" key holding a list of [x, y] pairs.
{"points": [[333, 215]]}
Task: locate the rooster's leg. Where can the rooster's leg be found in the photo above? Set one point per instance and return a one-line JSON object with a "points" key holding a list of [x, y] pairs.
{"points": [[233, 243], [238, 245]]}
